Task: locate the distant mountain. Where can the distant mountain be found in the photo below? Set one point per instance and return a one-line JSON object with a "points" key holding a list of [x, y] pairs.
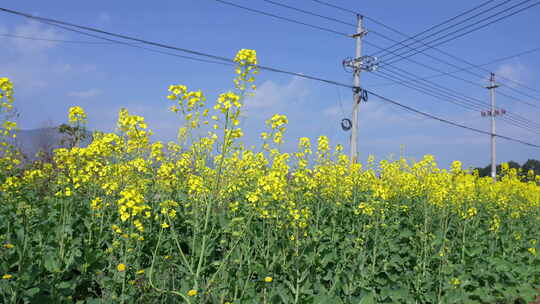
{"points": [[31, 141]]}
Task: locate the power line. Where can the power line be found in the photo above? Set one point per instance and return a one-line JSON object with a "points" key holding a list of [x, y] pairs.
{"points": [[309, 13], [60, 23], [67, 26], [337, 7], [136, 46], [340, 103], [431, 68], [520, 100], [456, 77], [450, 73], [401, 43], [461, 95], [458, 58], [476, 101], [52, 40], [519, 84], [443, 23], [284, 18], [461, 60], [448, 121], [347, 23], [429, 90], [456, 99], [473, 66], [53, 21], [472, 30]]}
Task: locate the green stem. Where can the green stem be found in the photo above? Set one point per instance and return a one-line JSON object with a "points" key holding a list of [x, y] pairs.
{"points": [[152, 272]]}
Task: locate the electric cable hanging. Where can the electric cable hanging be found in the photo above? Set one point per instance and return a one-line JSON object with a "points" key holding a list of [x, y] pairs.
{"points": [[448, 98], [284, 18], [450, 122], [346, 123], [431, 68], [464, 69], [397, 42], [309, 13], [454, 93], [505, 58], [336, 20], [57, 23], [407, 54], [416, 38], [436, 49], [471, 65], [225, 60], [53, 40]]}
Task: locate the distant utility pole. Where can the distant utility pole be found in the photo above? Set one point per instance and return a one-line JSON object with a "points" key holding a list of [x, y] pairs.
{"points": [[493, 112]]}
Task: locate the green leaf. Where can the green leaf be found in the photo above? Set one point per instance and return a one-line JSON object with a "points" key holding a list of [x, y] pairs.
{"points": [[51, 263], [324, 299], [64, 285], [368, 299], [32, 291]]}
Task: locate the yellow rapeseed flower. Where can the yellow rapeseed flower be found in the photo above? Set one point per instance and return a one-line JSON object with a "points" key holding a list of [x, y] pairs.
{"points": [[192, 293], [77, 115], [268, 279], [121, 267], [7, 276]]}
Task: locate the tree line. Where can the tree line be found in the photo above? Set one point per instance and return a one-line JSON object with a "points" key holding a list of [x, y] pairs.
{"points": [[530, 165]]}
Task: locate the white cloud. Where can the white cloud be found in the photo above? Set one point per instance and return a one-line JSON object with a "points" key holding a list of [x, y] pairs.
{"points": [[88, 68], [33, 29], [103, 17], [24, 75], [332, 112], [270, 95], [85, 94], [34, 64], [514, 71]]}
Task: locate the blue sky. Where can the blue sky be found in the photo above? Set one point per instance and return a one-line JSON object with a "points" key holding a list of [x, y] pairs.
{"points": [[50, 77]]}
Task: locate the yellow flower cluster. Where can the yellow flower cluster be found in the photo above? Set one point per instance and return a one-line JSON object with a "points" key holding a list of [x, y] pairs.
{"points": [[6, 94], [143, 190], [131, 204], [247, 60], [226, 101], [8, 129], [76, 115]]}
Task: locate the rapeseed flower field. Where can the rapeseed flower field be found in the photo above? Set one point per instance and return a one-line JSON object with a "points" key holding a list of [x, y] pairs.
{"points": [[206, 219]]}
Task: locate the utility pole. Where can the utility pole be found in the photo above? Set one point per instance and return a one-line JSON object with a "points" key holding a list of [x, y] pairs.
{"points": [[356, 65], [356, 93], [493, 112]]}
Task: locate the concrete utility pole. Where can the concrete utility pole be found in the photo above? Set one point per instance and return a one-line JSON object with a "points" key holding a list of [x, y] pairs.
{"points": [[493, 113], [357, 68], [356, 65]]}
